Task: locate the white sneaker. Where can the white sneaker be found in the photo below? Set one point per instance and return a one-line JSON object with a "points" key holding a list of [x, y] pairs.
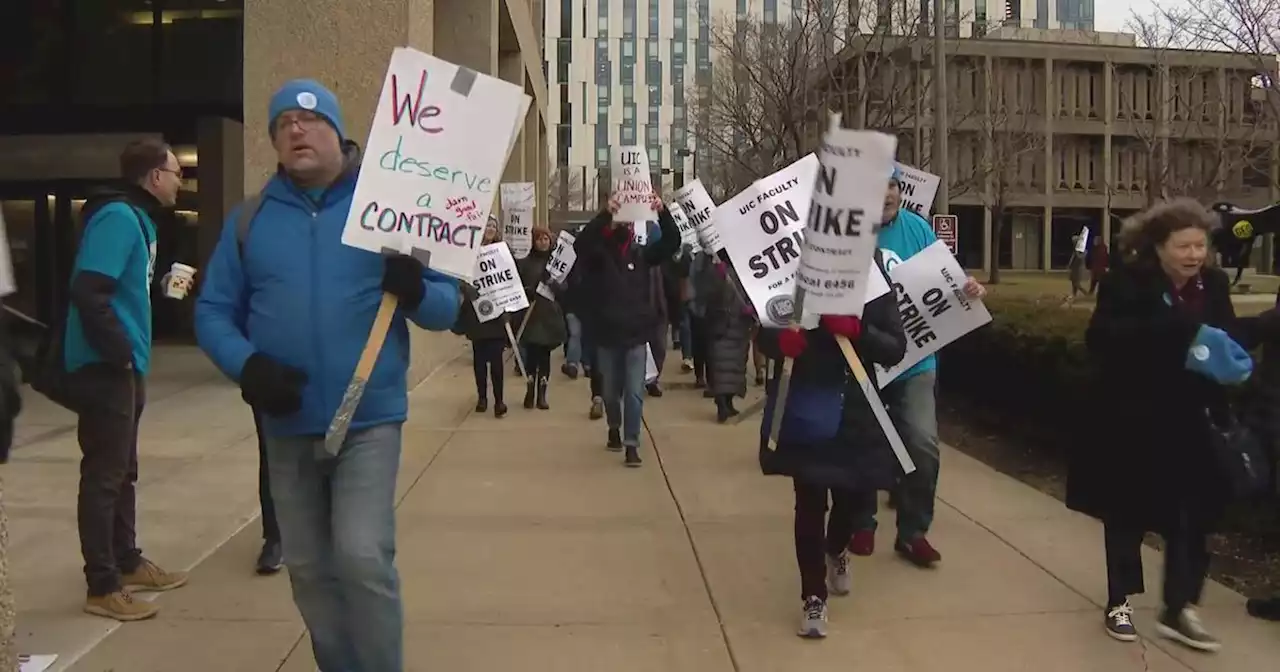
{"points": [[838, 579], [813, 618], [1119, 622], [1186, 629]]}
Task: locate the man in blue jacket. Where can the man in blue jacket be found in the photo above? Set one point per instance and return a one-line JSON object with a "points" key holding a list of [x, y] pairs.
{"points": [[912, 402], [285, 310]]}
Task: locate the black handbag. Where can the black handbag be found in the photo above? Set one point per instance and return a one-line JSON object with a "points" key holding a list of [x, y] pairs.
{"points": [[1241, 457]]}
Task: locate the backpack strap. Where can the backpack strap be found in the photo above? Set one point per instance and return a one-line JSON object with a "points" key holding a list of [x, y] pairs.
{"points": [[244, 220]]}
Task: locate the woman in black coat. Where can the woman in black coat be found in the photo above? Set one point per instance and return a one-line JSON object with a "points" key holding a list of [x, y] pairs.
{"points": [[488, 339], [545, 329], [829, 441], [1167, 345]]}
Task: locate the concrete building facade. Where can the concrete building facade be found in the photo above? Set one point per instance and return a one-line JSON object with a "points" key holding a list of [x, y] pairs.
{"points": [[81, 78], [1060, 136]]}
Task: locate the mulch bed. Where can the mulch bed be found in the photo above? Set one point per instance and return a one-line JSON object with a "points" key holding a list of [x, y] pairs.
{"points": [[1246, 554]]}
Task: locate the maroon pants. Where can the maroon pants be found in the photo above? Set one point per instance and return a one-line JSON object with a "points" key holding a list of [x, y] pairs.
{"points": [[818, 535]]}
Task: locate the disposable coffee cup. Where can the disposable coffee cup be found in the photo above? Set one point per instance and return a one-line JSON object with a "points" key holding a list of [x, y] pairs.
{"points": [[178, 281]]}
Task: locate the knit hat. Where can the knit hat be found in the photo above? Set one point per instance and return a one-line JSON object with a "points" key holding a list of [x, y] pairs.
{"points": [[306, 94]]}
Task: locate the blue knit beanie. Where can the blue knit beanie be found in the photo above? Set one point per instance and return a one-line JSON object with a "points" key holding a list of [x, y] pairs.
{"points": [[306, 94]]}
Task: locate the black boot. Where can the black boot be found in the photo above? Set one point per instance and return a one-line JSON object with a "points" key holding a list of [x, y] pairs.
{"points": [[482, 405], [530, 391], [542, 394], [632, 458], [722, 409], [728, 403], [499, 409]]}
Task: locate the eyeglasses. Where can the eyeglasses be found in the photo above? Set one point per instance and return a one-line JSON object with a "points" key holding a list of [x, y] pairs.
{"points": [[305, 121], [177, 172]]}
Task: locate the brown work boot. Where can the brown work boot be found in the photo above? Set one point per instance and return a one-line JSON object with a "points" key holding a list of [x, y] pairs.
{"points": [[121, 606], [150, 578]]}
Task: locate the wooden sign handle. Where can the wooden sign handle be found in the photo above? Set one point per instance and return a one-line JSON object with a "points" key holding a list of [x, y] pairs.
{"points": [[337, 433], [869, 392]]}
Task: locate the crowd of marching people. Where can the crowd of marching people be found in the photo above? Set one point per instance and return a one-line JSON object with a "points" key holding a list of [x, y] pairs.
{"points": [[1167, 343]]}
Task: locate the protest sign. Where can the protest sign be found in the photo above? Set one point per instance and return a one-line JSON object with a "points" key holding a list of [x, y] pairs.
{"points": [[436, 151], [688, 232], [562, 257], [632, 184], [935, 311], [517, 217], [1082, 241], [651, 372], [839, 242], [498, 283], [640, 232], [699, 207], [767, 224], [918, 189]]}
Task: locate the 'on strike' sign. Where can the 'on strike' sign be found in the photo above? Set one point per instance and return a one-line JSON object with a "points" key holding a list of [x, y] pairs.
{"points": [[436, 151]]}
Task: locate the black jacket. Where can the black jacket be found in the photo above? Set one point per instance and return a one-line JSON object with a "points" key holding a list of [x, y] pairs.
{"points": [[1152, 454], [859, 457], [616, 302], [10, 399]]}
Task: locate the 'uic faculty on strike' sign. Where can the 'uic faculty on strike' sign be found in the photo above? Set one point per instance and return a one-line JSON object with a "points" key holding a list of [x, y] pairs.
{"points": [[497, 283], [432, 164]]}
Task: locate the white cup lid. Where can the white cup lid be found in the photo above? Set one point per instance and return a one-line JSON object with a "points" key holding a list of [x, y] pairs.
{"points": [[183, 267]]}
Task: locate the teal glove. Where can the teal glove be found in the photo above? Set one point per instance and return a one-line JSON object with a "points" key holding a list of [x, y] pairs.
{"points": [[1214, 355]]}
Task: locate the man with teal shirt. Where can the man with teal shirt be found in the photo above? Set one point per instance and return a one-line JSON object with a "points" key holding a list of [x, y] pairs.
{"points": [[912, 402], [107, 352]]}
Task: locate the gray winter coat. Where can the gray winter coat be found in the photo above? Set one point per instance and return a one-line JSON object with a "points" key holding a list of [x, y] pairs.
{"points": [[728, 325]]}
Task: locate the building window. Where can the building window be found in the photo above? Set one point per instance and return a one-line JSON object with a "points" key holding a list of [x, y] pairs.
{"points": [[628, 49], [602, 156], [603, 95], [566, 108], [626, 73], [655, 159], [677, 115], [602, 18], [678, 92], [651, 49], [651, 135], [770, 11], [603, 66], [629, 114], [628, 96], [653, 113], [628, 134], [564, 137], [679, 137], [653, 73], [602, 132], [584, 102], [628, 18], [566, 18], [653, 19]]}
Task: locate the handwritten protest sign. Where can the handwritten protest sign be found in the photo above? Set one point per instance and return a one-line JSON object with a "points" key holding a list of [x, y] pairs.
{"points": [[498, 283], [436, 151], [1082, 241], [935, 311], [840, 237], [632, 184], [698, 207], [762, 230], [688, 232], [517, 217], [918, 189]]}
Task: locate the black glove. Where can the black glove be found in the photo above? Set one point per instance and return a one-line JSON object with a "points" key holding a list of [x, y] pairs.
{"points": [[468, 291], [402, 277], [271, 387]]}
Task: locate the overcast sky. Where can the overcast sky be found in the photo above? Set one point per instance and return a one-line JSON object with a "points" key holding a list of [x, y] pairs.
{"points": [[1112, 15]]}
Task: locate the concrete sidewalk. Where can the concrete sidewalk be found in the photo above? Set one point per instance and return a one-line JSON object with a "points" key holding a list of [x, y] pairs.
{"points": [[523, 544]]}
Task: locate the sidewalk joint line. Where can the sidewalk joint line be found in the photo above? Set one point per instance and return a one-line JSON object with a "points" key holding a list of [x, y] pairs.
{"points": [[693, 546]]}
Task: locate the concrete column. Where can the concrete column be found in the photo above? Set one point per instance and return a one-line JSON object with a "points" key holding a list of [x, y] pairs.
{"points": [[1108, 127], [220, 147], [511, 69], [542, 173], [1050, 112], [467, 33], [343, 44]]}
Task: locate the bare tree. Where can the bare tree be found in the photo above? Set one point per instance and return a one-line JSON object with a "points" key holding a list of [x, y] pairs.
{"points": [[762, 107], [1179, 132], [1010, 141], [568, 190]]}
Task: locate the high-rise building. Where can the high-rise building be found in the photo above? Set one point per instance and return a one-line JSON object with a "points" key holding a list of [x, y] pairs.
{"points": [[622, 72]]}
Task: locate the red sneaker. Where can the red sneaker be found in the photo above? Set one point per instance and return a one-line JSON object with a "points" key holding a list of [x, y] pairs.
{"points": [[863, 543], [918, 552]]}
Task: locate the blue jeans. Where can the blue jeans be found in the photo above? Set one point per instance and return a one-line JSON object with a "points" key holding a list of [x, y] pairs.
{"points": [[912, 406], [573, 344], [337, 524], [622, 380]]}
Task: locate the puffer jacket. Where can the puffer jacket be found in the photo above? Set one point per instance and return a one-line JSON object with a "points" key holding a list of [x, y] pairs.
{"points": [[829, 434], [546, 325]]}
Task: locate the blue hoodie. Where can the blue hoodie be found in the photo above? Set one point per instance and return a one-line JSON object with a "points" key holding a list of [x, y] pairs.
{"points": [[902, 238], [306, 300]]}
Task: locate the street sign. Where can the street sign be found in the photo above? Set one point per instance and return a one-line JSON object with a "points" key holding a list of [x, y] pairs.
{"points": [[946, 228]]}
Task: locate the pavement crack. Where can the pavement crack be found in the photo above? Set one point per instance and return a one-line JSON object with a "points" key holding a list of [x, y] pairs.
{"points": [[693, 546]]}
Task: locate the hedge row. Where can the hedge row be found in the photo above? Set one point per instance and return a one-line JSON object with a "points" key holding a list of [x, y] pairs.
{"points": [[1028, 367]]}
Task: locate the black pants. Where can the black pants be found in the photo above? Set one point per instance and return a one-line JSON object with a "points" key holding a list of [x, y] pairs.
{"points": [[486, 355], [700, 347], [818, 535], [1186, 562], [270, 526], [106, 508], [539, 364]]}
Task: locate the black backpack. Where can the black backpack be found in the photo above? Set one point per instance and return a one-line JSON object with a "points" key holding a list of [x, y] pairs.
{"points": [[49, 374]]}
